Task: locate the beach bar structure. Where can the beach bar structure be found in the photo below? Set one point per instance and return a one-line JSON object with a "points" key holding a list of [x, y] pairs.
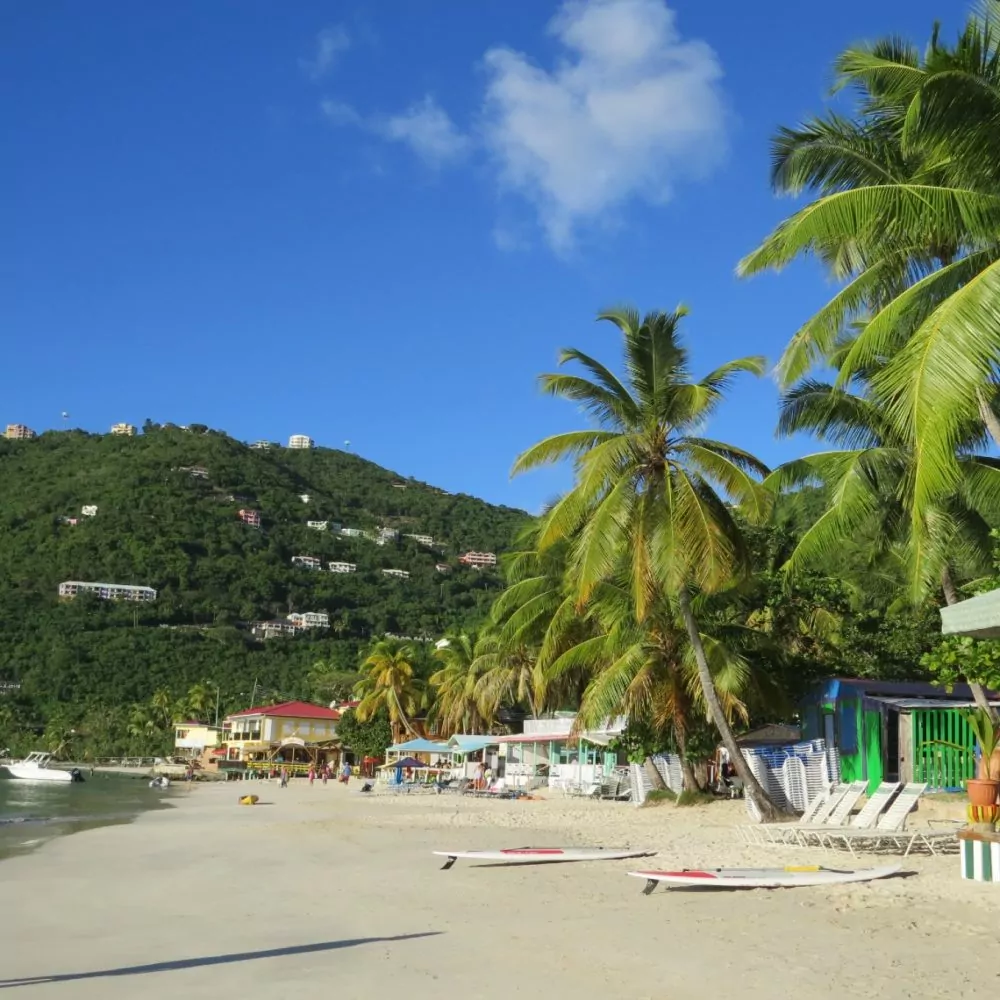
{"points": [[434, 752], [551, 751], [295, 735], [471, 750], [894, 731]]}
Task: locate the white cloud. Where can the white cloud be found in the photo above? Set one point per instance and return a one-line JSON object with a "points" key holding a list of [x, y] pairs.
{"points": [[339, 112], [425, 127], [428, 129], [330, 43], [628, 111]]}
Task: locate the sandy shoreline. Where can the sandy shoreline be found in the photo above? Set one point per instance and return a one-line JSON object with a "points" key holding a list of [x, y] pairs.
{"points": [[325, 889]]}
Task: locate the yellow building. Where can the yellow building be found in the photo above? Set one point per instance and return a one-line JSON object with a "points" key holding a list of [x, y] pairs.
{"points": [[291, 732]]}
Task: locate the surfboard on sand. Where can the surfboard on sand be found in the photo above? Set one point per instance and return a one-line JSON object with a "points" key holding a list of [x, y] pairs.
{"points": [[537, 855], [761, 878]]}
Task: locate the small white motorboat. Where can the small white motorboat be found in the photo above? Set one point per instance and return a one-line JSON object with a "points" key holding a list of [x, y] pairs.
{"points": [[35, 767]]}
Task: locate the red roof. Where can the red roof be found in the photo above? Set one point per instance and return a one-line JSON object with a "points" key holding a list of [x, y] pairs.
{"points": [[291, 710]]}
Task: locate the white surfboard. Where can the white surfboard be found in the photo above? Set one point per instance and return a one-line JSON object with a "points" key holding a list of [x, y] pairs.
{"points": [[762, 878], [537, 855]]}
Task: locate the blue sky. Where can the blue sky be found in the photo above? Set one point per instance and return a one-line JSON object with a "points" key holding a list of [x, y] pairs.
{"points": [[378, 222]]}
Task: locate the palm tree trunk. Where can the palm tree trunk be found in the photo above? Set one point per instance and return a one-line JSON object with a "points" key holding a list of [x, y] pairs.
{"points": [[951, 597], [402, 715], [768, 810], [989, 418], [654, 776], [690, 781]]}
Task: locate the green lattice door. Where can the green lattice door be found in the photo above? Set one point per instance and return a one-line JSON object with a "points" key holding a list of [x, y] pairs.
{"points": [[942, 766]]}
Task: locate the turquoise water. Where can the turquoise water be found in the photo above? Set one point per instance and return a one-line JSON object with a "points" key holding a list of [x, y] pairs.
{"points": [[33, 812]]}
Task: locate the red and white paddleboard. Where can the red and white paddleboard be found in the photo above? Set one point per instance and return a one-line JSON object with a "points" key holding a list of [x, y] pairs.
{"points": [[762, 878], [535, 855]]}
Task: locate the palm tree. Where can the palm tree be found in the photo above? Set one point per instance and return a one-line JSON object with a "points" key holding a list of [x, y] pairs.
{"points": [[869, 478], [649, 491], [533, 621], [388, 681], [647, 670], [509, 674], [907, 214], [199, 700], [162, 708], [143, 725], [455, 706]]}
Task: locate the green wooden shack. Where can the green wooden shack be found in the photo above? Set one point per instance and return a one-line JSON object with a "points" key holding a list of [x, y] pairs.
{"points": [[892, 731]]}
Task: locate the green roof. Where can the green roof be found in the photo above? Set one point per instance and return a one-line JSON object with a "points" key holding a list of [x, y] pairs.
{"points": [[978, 617]]}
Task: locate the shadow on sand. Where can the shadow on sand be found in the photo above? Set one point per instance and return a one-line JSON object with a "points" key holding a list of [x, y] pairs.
{"points": [[193, 963]]}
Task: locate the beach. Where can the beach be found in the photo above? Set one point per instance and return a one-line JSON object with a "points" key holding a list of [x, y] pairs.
{"points": [[32, 812], [323, 889]]}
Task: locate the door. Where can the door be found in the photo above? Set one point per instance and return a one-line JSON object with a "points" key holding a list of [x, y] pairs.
{"points": [[828, 730], [873, 749], [891, 755]]}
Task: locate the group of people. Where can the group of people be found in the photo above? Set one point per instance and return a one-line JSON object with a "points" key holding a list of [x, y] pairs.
{"points": [[324, 772], [483, 777]]}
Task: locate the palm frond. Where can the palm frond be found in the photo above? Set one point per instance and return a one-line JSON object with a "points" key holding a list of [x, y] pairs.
{"points": [[559, 447], [933, 384], [926, 213]]}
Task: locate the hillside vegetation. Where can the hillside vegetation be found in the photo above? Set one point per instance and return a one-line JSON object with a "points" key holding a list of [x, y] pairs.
{"points": [[161, 526]]}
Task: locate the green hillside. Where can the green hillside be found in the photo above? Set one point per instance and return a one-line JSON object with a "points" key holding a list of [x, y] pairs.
{"points": [[162, 526]]}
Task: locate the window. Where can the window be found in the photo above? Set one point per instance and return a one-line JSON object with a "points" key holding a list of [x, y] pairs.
{"points": [[568, 754]]}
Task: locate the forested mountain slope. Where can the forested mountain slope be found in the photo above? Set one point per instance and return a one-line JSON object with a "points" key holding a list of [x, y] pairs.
{"points": [[162, 525]]}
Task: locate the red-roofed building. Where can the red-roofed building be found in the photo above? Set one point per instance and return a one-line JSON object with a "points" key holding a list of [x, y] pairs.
{"points": [[258, 730], [251, 517], [290, 710]]}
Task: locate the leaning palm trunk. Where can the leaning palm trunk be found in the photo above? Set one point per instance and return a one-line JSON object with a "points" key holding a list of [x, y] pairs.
{"points": [[978, 692], [989, 418], [656, 780], [768, 810]]}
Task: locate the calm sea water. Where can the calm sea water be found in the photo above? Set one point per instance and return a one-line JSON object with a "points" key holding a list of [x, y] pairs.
{"points": [[33, 812]]}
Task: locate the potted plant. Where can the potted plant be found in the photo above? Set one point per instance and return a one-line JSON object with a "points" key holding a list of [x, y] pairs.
{"points": [[983, 790]]}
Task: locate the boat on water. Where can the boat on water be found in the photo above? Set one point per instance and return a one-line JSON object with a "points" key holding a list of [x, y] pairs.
{"points": [[37, 767]]}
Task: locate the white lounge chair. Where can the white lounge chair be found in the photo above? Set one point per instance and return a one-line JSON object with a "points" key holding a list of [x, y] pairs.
{"points": [[817, 811], [889, 831], [835, 815], [865, 819]]}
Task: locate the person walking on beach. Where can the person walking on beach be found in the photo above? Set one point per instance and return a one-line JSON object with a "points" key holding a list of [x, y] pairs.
{"points": [[479, 776], [312, 775], [325, 773], [284, 777], [345, 774]]}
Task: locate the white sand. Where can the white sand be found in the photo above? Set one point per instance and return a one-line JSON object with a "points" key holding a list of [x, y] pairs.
{"points": [[209, 888]]}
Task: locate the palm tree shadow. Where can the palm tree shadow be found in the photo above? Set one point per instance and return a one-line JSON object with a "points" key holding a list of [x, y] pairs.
{"points": [[193, 963]]}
